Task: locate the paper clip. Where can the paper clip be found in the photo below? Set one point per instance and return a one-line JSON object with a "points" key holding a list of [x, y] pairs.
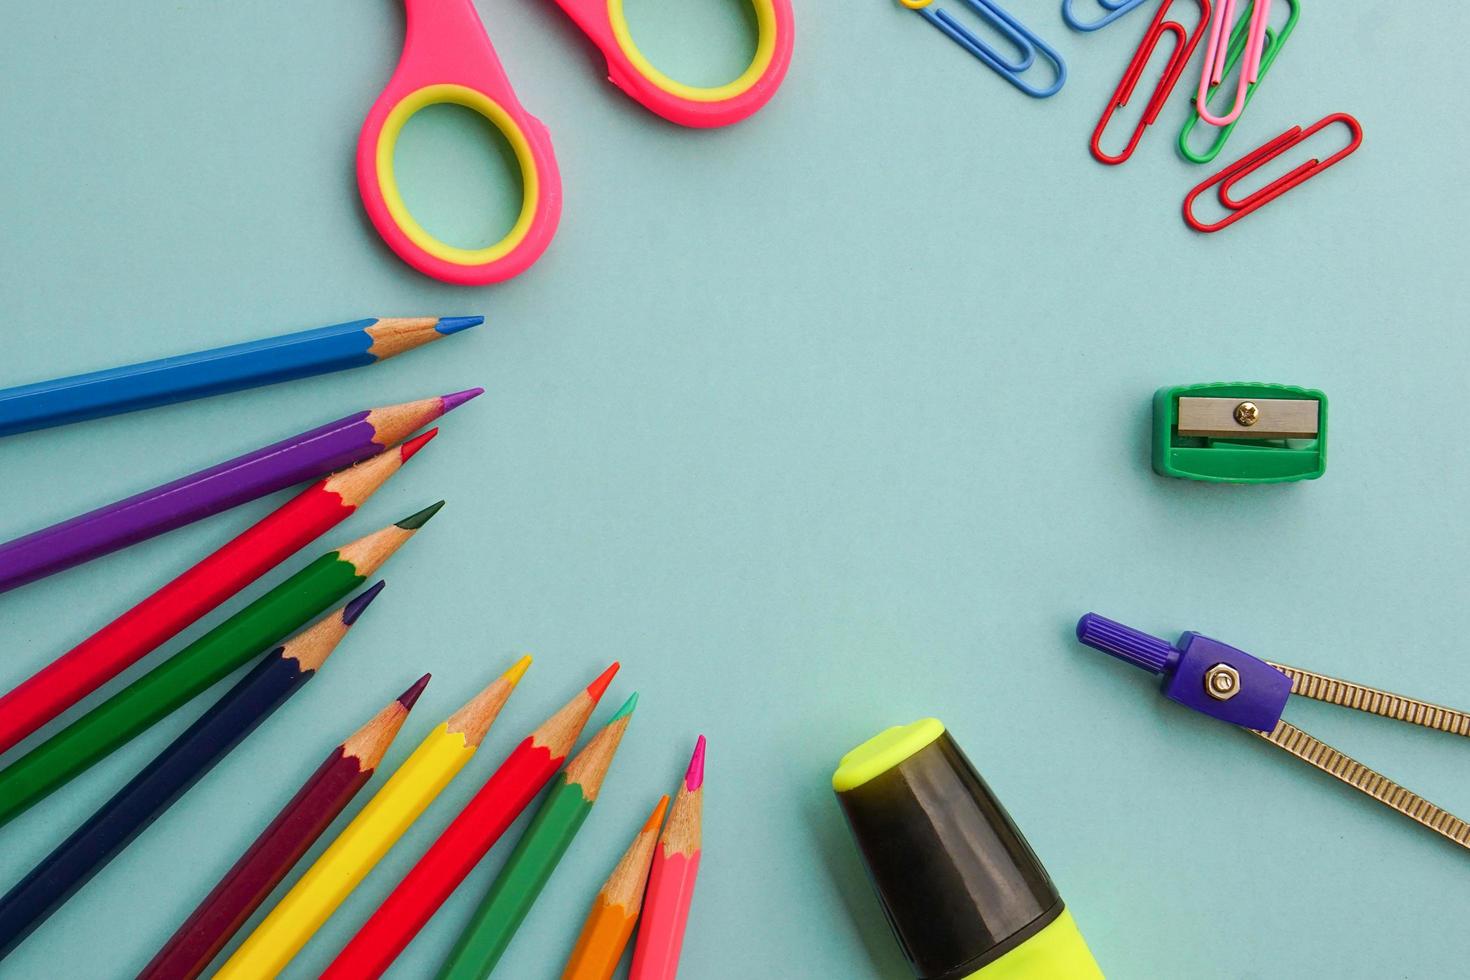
{"points": [[1254, 160], [1274, 40], [1114, 8], [1184, 45], [1233, 686], [1026, 42], [1215, 48]]}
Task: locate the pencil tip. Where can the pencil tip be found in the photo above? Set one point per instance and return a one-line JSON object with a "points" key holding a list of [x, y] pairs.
{"points": [[454, 324], [451, 401], [694, 778], [626, 709], [597, 687], [518, 670], [354, 609], [407, 450], [410, 697], [415, 521], [657, 816]]}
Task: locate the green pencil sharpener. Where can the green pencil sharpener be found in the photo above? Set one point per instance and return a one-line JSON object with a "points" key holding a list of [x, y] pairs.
{"points": [[1240, 432]]}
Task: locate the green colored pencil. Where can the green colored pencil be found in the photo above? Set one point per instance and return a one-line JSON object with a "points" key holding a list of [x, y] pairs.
{"points": [[536, 855], [198, 666]]}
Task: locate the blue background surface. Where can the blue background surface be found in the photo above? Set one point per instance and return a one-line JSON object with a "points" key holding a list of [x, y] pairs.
{"points": [[825, 422]]}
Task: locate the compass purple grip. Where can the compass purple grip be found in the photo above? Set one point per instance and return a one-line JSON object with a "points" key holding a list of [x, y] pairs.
{"points": [[1127, 644]]}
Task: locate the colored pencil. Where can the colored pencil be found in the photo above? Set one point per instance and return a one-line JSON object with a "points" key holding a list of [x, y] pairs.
{"points": [[466, 840], [169, 776], [536, 854], [217, 489], [671, 880], [195, 592], [609, 925], [214, 372], [197, 667], [275, 852], [358, 849]]}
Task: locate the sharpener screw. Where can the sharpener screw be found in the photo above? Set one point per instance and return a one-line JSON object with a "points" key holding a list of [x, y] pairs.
{"points": [[1222, 682], [1247, 414]]}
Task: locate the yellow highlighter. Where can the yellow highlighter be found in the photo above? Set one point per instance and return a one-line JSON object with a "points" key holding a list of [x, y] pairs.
{"points": [[360, 846], [964, 893]]}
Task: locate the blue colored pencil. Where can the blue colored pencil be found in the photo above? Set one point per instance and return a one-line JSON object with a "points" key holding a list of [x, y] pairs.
{"points": [[169, 776], [215, 372]]}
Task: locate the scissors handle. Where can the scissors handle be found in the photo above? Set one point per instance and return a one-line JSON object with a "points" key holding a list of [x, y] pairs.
{"points": [[448, 59], [604, 23]]}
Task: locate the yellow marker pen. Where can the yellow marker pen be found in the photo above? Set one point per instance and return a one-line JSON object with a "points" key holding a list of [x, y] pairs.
{"points": [[365, 840], [964, 893]]}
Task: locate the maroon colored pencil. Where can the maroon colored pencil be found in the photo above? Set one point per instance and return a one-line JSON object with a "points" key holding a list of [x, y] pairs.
{"points": [[290, 835]]}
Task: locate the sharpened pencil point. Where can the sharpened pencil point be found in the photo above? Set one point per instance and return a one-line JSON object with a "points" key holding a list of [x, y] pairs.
{"points": [[694, 778], [354, 609], [657, 816], [517, 671], [449, 402], [415, 521], [407, 450], [410, 697], [454, 324], [626, 709], [597, 687]]}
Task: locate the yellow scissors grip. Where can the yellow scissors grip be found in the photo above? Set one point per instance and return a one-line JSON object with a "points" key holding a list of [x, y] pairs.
{"points": [[393, 199], [605, 22]]}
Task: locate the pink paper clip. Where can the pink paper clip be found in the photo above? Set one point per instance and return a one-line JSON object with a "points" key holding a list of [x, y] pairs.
{"points": [[1215, 52], [1253, 161]]}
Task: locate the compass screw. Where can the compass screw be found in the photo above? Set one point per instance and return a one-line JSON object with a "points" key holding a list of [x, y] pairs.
{"points": [[1222, 682], [1247, 414]]}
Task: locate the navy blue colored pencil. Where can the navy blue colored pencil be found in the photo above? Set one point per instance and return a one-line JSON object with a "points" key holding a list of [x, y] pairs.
{"points": [[214, 372], [186, 760]]}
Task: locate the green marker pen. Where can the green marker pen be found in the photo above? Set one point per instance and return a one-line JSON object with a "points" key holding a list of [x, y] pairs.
{"points": [[964, 893]]}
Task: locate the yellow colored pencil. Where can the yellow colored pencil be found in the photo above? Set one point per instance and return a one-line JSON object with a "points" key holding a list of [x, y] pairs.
{"points": [[362, 844]]}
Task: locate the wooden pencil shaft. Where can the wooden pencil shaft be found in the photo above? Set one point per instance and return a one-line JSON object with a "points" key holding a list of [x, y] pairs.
{"points": [[475, 718], [624, 887], [682, 833]]}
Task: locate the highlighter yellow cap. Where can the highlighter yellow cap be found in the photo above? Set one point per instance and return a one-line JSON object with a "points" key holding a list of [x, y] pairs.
{"points": [[884, 751]]}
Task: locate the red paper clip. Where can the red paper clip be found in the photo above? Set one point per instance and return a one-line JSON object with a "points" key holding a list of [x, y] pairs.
{"points": [[1184, 45], [1251, 162]]}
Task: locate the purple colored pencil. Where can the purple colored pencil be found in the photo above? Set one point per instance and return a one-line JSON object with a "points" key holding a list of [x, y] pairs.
{"points": [[295, 460]]}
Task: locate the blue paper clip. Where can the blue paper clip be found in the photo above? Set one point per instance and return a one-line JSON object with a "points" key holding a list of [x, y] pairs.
{"points": [[1027, 43], [1115, 8]]}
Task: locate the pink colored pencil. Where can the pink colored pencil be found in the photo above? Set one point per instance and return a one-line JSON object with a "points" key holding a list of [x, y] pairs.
{"points": [[671, 880]]}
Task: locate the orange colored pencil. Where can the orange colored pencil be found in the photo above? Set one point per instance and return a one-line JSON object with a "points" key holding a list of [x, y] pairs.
{"points": [[671, 880], [609, 925]]}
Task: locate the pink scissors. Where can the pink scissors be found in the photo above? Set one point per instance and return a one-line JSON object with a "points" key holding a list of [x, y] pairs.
{"points": [[447, 58]]}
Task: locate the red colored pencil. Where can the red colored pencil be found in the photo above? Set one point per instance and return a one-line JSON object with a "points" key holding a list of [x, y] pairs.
{"points": [[161, 616], [466, 840], [275, 852]]}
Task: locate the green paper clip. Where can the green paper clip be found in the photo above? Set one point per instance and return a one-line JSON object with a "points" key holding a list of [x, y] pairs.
{"points": [[1271, 46], [1240, 432]]}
